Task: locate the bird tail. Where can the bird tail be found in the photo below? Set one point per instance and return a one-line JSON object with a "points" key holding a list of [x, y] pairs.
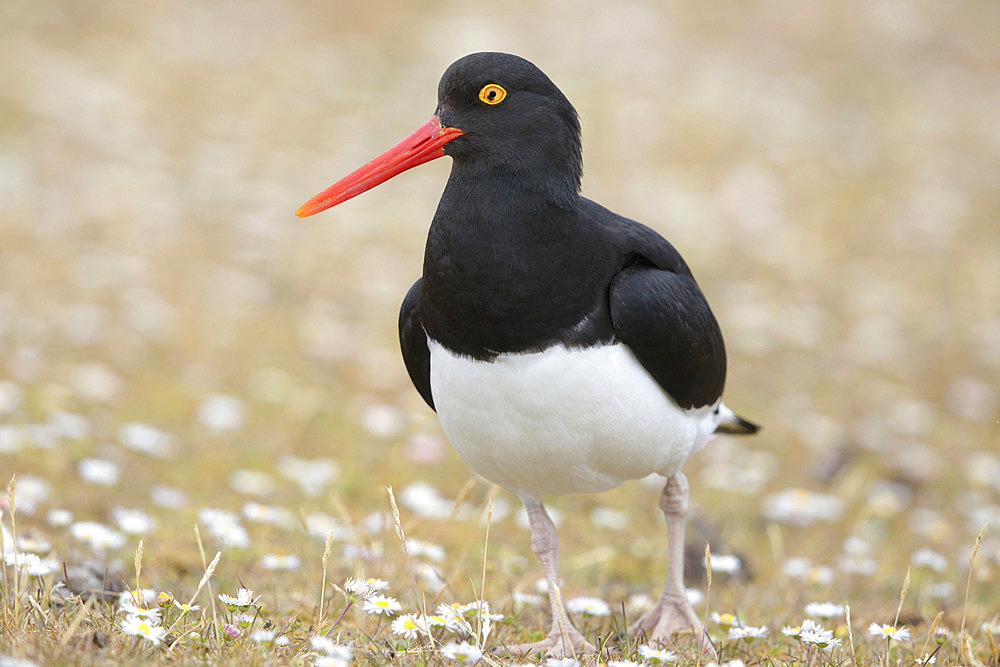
{"points": [[732, 424]]}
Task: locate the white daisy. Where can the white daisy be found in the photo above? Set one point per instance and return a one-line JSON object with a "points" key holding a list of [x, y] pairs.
{"points": [[99, 471], [726, 563], [657, 656], [889, 632], [428, 550], [747, 633], [280, 562], [132, 522], [462, 652], [824, 609], [408, 626], [725, 620], [244, 598], [132, 609], [220, 413], [145, 439], [471, 610], [382, 604], [822, 638], [588, 606], [147, 628], [807, 626], [377, 584]]}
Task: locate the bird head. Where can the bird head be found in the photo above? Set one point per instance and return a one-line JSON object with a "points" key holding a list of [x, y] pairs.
{"points": [[496, 112]]}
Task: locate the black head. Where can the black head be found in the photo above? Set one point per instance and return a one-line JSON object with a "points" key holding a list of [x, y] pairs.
{"points": [[497, 114], [513, 118]]}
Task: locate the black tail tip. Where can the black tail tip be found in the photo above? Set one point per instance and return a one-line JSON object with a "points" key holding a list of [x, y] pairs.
{"points": [[737, 426]]}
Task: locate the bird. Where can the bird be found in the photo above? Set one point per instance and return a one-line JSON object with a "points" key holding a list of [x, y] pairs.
{"points": [[565, 348]]}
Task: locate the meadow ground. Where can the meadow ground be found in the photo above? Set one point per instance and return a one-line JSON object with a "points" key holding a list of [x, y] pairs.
{"points": [[192, 380]]}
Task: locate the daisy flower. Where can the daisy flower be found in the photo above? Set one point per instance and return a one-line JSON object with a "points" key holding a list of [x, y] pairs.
{"points": [[462, 652], [132, 609], [99, 471], [356, 590], [268, 638], [147, 628], [97, 535], [382, 604], [428, 550], [824, 609], [820, 638], [657, 656], [725, 620], [377, 584], [280, 562], [624, 663], [472, 609], [797, 630], [243, 619], [35, 567], [747, 633], [322, 644], [185, 607], [452, 617], [408, 626], [889, 632], [436, 622], [231, 631], [244, 598], [726, 563], [562, 662], [588, 606]]}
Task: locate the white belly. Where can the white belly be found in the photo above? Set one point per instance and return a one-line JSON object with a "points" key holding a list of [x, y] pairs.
{"points": [[563, 420]]}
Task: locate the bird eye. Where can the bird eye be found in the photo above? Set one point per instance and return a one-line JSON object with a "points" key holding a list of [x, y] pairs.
{"points": [[491, 93]]}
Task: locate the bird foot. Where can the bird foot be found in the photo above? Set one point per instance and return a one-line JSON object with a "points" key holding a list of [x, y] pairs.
{"points": [[556, 644], [670, 615]]}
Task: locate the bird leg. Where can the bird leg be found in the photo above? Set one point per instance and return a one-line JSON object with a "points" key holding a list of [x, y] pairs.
{"points": [[672, 612], [563, 640]]}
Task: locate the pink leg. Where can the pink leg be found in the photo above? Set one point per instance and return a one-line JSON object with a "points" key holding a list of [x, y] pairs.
{"points": [[672, 612], [563, 640]]}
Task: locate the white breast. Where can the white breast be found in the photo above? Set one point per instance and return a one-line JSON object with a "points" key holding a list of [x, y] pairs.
{"points": [[563, 420]]}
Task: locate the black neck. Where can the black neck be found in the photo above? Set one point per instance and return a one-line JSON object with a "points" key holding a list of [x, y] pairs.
{"points": [[511, 265]]}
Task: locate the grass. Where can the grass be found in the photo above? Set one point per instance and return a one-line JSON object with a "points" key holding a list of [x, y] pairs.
{"points": [[54, 627], [199, 393]]}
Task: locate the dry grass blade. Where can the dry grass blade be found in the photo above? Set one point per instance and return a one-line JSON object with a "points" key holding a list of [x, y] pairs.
{"points": [[322, 589], [209, 571], [964, 640]]}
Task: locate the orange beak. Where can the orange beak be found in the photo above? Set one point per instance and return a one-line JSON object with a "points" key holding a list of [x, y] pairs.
{"points": [[422, 145]]}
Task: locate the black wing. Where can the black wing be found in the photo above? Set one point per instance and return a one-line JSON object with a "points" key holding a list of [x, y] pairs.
{"points": [[664, 318], [413, 343], [658, 310]]}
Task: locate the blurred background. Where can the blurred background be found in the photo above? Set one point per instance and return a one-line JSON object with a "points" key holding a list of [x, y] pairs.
{"points": [[830, 171]]}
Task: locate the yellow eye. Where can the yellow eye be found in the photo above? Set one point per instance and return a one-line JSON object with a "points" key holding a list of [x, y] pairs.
{"points": [[491, 93]]}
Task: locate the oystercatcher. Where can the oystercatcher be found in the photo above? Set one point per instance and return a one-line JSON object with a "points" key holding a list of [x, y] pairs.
{"points": [[565, 348]]}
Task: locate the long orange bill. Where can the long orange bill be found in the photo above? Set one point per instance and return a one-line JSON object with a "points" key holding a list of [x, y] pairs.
{"points": [[423, 145]]}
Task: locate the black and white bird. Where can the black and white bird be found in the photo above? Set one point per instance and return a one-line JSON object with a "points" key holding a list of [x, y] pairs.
{"points": [[565, 348]]}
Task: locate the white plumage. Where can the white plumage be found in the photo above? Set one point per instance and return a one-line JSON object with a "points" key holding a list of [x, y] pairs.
{"points": [[564, 420]]}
